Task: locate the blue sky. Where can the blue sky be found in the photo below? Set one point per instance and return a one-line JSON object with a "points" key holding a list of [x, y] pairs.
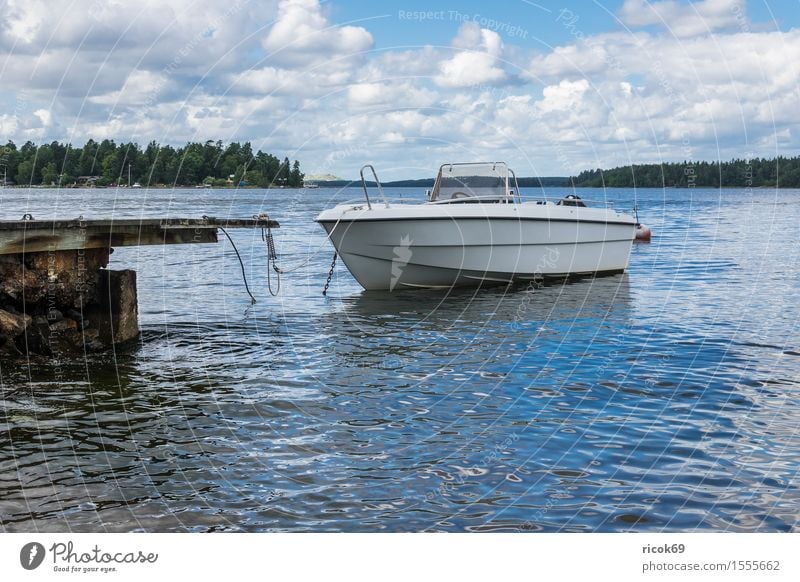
{"points": [[535, 19], [553, 88]]}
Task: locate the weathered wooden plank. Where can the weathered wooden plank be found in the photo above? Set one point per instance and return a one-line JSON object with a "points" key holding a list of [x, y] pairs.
{"points": [[33, 241], [114, 223], [32, 236]]}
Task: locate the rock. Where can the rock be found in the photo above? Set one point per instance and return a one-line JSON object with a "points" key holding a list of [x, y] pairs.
{"points": [[74, 304], [63, 325], [91, 340], [63, 278], [17, 283], [13, 325], [8, 347], [77, 316], [90, 334], [37, 339]]}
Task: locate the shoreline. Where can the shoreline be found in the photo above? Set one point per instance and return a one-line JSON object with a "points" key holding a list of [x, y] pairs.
{"points": [[354, 184]]}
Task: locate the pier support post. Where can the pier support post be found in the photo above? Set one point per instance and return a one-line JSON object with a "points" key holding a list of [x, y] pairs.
{"points": [[65, 302], [116, 315]]}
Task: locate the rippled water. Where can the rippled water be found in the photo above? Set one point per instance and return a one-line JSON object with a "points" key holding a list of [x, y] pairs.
{"points": [[665, 399]]}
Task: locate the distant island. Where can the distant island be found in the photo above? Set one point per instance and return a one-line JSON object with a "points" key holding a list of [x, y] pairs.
{"points": [[106, 163], [778, 172], [322, 178]]}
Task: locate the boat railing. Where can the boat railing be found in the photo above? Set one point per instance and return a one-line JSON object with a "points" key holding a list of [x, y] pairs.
{"points": [[387, 201], [516, 191], [476, 199], [377, 183], [590, 202], [517, 199]]}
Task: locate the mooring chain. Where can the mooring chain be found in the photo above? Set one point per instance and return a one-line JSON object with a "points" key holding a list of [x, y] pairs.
{"points": [[272, 254], [330, 273]]}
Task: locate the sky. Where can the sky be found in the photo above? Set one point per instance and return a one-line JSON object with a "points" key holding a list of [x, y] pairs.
{"points": [[552, 88]]}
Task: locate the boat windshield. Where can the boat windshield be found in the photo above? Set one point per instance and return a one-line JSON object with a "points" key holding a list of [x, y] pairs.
{"points": [[485, 180]]}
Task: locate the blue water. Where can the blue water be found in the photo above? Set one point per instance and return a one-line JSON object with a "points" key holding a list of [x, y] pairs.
{"points": [[665, 399]]}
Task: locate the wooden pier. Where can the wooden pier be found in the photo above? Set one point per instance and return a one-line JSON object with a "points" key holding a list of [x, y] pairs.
{"points": [[56, 294]]}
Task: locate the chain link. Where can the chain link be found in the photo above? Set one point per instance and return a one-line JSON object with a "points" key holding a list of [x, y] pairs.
{"points": [[330, 273], [272, 258]]}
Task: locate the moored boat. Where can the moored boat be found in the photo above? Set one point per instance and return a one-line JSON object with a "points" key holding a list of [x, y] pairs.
{"points": [[475, 228]]}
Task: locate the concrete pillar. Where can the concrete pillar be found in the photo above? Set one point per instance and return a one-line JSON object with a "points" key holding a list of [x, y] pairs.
{"points": [[116, 315]]}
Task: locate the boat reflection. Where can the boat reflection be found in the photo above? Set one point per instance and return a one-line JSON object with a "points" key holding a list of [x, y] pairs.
{"points": [[468, 327]]}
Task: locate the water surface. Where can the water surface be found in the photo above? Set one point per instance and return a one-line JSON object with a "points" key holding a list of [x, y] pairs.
{"points": [[665, 399]]}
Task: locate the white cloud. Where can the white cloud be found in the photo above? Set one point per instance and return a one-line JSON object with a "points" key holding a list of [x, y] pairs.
{"points": [[276, 81], [477, 58], [44, 116], [302, 34], [714, 92], [390, 94], [308, 56], [422, 62], [685, 19], [366, 94], [140, 88], [565, 96]]}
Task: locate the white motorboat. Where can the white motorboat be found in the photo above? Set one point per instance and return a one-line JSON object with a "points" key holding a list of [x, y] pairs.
{"points": [[475, 228]]}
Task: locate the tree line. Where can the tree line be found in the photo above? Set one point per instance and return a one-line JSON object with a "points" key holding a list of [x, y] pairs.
{"points": [[107, 163], [779, 172]]}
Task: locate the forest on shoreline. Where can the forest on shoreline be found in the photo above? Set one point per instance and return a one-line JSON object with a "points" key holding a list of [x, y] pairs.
{"points": [[107, 163], [781, 172], [213, 164]]}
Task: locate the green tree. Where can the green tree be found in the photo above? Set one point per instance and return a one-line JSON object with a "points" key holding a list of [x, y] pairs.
{"points": [[192, 166], [50, 174], [25, 174], [87, 159], [296, 176]]}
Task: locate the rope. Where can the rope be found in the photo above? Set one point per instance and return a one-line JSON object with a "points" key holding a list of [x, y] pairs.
{"points": [[241, 263], [311, 255], [272, 255]]}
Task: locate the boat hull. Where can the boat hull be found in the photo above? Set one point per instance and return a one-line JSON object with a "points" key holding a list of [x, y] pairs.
{"points": [[443, 246]]}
